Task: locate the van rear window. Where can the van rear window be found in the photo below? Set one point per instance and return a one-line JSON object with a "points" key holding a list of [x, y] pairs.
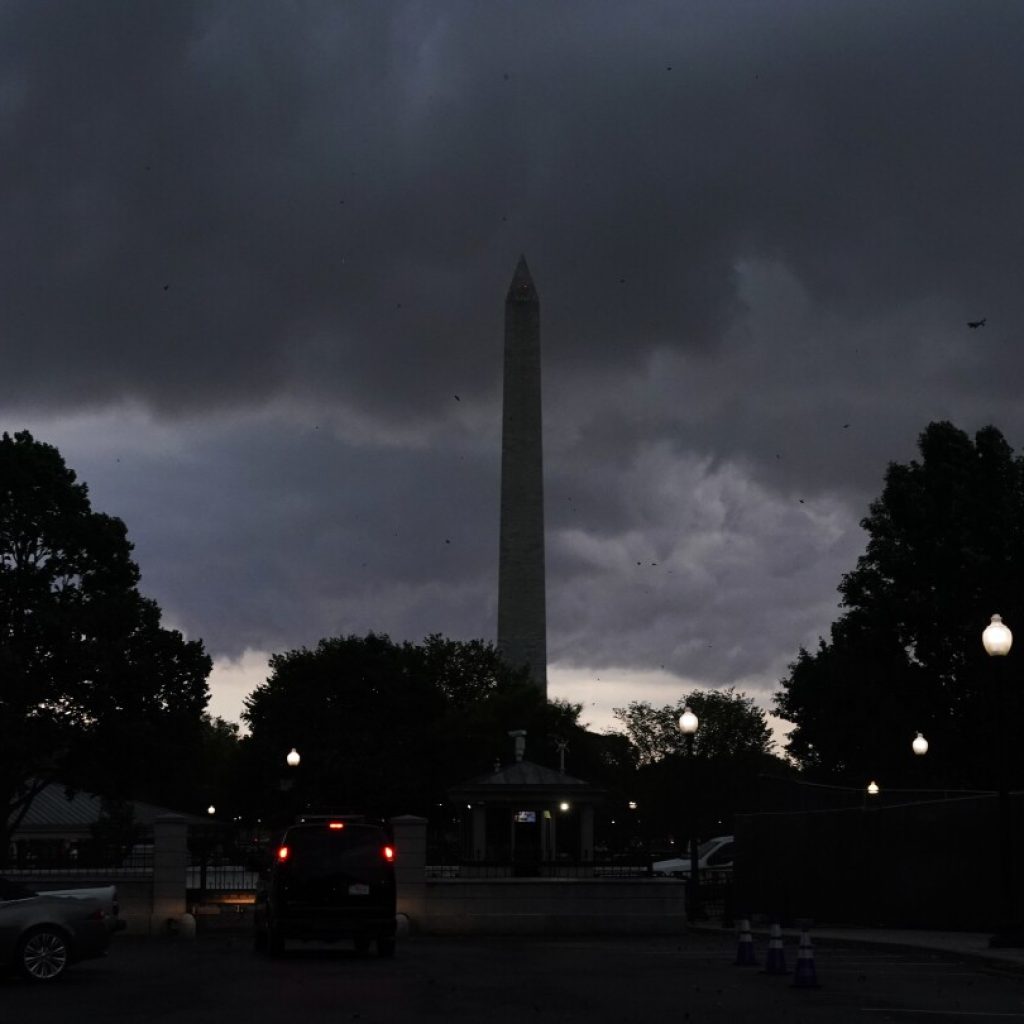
{"points": [[324, 849]]}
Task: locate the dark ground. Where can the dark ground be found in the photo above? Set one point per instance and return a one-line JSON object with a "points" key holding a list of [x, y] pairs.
{"points": [[216, 978]]}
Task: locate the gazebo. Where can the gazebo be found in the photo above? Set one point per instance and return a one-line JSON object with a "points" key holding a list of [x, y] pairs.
{"points": [[526, 819]]}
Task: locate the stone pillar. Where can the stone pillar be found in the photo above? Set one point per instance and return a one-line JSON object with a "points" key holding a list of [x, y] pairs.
{"points": [[548, 849], [170, 870], [522, 629], [479, 840], [586, 832], [410, 834]]}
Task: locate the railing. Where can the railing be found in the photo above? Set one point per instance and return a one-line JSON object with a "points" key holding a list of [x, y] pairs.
{"points": [[79, 862], [221, 878], [561, 868], [46, 860]]}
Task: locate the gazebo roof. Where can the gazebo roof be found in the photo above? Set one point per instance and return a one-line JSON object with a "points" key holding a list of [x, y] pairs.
{"points": [[524, 779]]}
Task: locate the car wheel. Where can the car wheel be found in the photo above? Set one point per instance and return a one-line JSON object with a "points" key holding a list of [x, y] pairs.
{"points": [[386, 946], [43, 954]]}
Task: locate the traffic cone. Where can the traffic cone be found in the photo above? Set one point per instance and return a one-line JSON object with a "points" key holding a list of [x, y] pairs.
{"points": [[745, 948], [805, 975], [775, 959]]}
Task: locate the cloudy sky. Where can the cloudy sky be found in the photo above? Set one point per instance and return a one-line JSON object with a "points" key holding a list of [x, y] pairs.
{"points": [[254, 260]]}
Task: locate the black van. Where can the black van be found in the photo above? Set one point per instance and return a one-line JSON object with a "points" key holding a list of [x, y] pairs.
{"points": [[330, 879]]}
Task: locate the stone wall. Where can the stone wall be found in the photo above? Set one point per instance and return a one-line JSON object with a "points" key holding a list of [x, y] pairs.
{"points": [[550, 906]]}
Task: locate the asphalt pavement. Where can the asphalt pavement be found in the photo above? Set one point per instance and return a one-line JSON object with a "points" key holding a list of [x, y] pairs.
{"points": [[690, 978]]}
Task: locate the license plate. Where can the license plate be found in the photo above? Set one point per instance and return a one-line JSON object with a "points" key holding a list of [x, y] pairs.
{"points": [[359, 890]]}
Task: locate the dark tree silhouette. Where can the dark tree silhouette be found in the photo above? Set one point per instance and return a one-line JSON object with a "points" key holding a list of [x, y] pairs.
{"points": [[89, 677], [386, 728], [732, 748], [945, 552]]}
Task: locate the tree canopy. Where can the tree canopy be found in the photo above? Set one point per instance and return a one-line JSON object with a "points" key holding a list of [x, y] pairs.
{"points": [[730, 724], [90, 678], [679, 794], [386, 728], [945, 551]]}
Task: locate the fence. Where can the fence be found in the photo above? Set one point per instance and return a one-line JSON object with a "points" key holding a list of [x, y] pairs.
{"points": [[210, 867], [611, 896], [561, 868], [85, 857]]}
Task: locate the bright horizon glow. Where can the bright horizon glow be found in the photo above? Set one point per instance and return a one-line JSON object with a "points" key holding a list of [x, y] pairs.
{"points": [[599, 690]]}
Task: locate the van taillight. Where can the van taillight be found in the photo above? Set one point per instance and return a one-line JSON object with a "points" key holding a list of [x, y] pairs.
{"points": [[336, 824], [389, 853], [282, 853]]}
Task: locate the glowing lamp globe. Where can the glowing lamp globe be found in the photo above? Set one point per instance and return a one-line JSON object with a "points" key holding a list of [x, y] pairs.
{"points": [[920, 745], [997, 638], [688, 722]]}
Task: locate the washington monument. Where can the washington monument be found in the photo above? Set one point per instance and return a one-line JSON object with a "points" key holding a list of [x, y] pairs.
{"points": [[522, 627]]}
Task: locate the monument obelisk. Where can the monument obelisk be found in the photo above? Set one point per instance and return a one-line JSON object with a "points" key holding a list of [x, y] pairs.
{"points": [[522, 621]]}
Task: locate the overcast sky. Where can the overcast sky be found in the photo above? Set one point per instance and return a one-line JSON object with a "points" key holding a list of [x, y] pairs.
{"points": [[254, 261]]}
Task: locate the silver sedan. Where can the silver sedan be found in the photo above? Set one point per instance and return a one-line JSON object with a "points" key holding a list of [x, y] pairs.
{"points": [[42, 933]]}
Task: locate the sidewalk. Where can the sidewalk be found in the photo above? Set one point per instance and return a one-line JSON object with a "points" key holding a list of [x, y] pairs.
{"points": [[967, 944]]}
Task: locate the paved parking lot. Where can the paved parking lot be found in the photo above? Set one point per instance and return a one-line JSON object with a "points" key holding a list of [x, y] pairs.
{"points": [[216, 978]]}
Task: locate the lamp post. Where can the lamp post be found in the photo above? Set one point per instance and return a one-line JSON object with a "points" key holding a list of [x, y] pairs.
{"points": [[920, 748], [688, 723], [997, 641], [289, 799]]}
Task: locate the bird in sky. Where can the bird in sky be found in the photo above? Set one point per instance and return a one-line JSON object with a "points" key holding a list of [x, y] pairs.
{"points": [[977, 323]]}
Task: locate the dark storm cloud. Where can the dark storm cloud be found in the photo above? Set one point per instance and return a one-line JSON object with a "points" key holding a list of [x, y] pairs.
{"points": [[280, 534], [253, 259], [214, 203]]}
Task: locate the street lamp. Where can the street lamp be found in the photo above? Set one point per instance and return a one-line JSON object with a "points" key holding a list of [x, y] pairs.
{"points": [[211, 810], [872, 788], [286, 784], [997, 641], [688, 723], [997, 638], [920, 745]]}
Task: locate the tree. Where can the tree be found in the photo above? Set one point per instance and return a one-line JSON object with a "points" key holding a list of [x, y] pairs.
{"points": [[386, 728], [731, 724], [89, 675], [945, 551], [731, 749]]}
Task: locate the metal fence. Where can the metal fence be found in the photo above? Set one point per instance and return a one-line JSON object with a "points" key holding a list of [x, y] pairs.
{"points": [[60, 857], [561, 868], [214, 878]]}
